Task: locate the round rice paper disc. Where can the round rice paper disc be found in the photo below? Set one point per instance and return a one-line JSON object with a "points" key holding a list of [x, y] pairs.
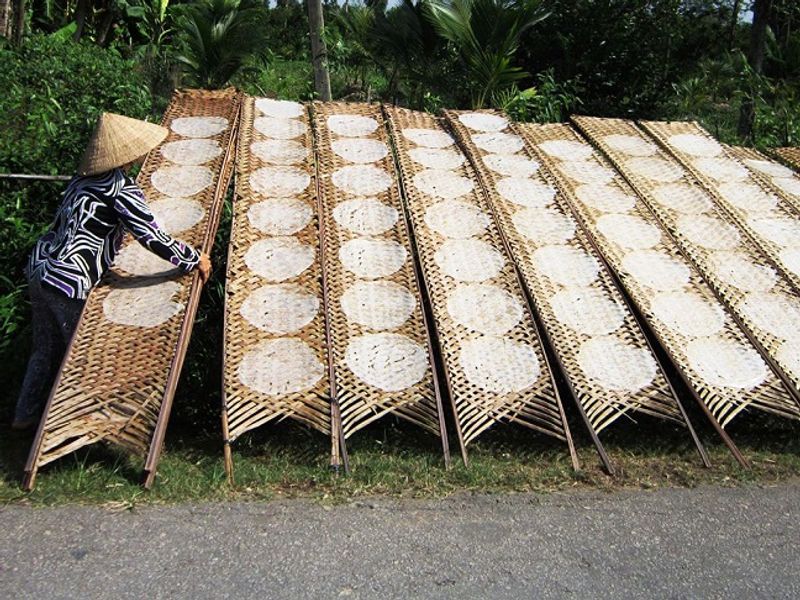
{"points": [[191, 152], [721, 170], [280, 152], [630, 144], [181, 181], [738, 270], [280, 308], [352, 125], [587, 171], [143, 305], [683, 198], [280, 216], [281, 366], [688, 313], [485, 308], [137, 260], [654, 169], [567, 149], [387, 361], [175, 215], [428, 138], [469, 260], [442, 184], [789, 185], [437, 158], [483, 121], [566, 265], [695, 145], [498, 142], [456, 219], [748, 197], [544, 225], [587, 311], [526, 192], [614, 365], [199, 127], [790, 259], [784, 232], [378, 305], [359, 151], [777, 314], [279, 129], [372, 258], [282, 109], [656, 269], [279, 258], [629, 231], [708, 232], [769, 167], [362, 180], [723, 363], [279, 181], [365, 216], [511, 165], [605, 198], [499, 365], [788, 356]]}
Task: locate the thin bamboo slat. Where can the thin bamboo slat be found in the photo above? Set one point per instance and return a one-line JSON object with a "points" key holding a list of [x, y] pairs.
{"points": [[731, 265], [606, 357], [771, 223], [119, 375], [791, 156], [379, 340], [495, 367], [276, 362], [777, 178]]}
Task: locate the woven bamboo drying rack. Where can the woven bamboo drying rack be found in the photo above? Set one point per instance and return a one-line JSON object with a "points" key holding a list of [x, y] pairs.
{"points": [[791, 156], [771, 251], [361, 402], [537, 406], [601, 404], [117, 382], [753, 159], [246, 408], [775, 397]]}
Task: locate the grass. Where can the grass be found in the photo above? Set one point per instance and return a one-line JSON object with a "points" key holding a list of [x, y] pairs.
{"points": [[396, 460]]}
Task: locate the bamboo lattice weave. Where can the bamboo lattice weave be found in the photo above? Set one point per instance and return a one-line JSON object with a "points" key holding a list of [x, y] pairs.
{"points": [[121, 367], [276, 363], [604, 353], [773, 224], [494, 363], [675, 199], [379, 341], [791, 156], [777, 178]]}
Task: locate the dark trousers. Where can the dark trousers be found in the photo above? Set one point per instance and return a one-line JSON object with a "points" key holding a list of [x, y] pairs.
{"points": [[55, 316]]}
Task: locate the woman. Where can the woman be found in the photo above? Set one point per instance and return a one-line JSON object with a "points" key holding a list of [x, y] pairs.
{"points": [[99, 205]]}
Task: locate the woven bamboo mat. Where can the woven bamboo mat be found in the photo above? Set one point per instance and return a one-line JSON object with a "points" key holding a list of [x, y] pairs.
{"points": [[604, 353], [122, 366], [775, 177], [381, 350], [791, 156], [276, 363], [735, 272], [771, 224], [494, 363]]}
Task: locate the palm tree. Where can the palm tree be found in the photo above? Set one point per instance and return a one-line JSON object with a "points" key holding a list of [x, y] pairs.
{"points": [[486, 34], [217, 38]]}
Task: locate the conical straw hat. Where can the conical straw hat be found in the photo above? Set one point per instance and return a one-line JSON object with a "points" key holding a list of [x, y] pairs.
{"points": [[118, 140]]}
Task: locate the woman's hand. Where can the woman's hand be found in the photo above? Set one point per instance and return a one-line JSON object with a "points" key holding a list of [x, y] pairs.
{"points": [[204, 266]]}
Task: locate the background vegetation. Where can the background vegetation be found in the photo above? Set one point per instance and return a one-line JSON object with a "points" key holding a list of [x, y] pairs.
{"points": [[538, 59]]}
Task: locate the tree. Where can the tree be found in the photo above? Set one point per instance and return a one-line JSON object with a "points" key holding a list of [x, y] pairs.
{"points": [[319, 51], [755, 57]]}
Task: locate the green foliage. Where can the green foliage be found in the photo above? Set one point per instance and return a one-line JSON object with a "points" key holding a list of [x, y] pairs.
{"points": [[548, 102]]}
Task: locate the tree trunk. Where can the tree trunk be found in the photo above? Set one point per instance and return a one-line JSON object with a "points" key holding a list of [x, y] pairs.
{"points": [[758, 42], [319, 52], [19, 21], [81, 11], [5, 18], [737, 7]]}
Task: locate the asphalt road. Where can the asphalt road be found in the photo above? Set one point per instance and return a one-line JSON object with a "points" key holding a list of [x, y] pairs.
{"points": [[701, 543]]}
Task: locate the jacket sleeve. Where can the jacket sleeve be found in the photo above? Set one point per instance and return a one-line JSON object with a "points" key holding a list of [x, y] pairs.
{"points": [[131, 206]]}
